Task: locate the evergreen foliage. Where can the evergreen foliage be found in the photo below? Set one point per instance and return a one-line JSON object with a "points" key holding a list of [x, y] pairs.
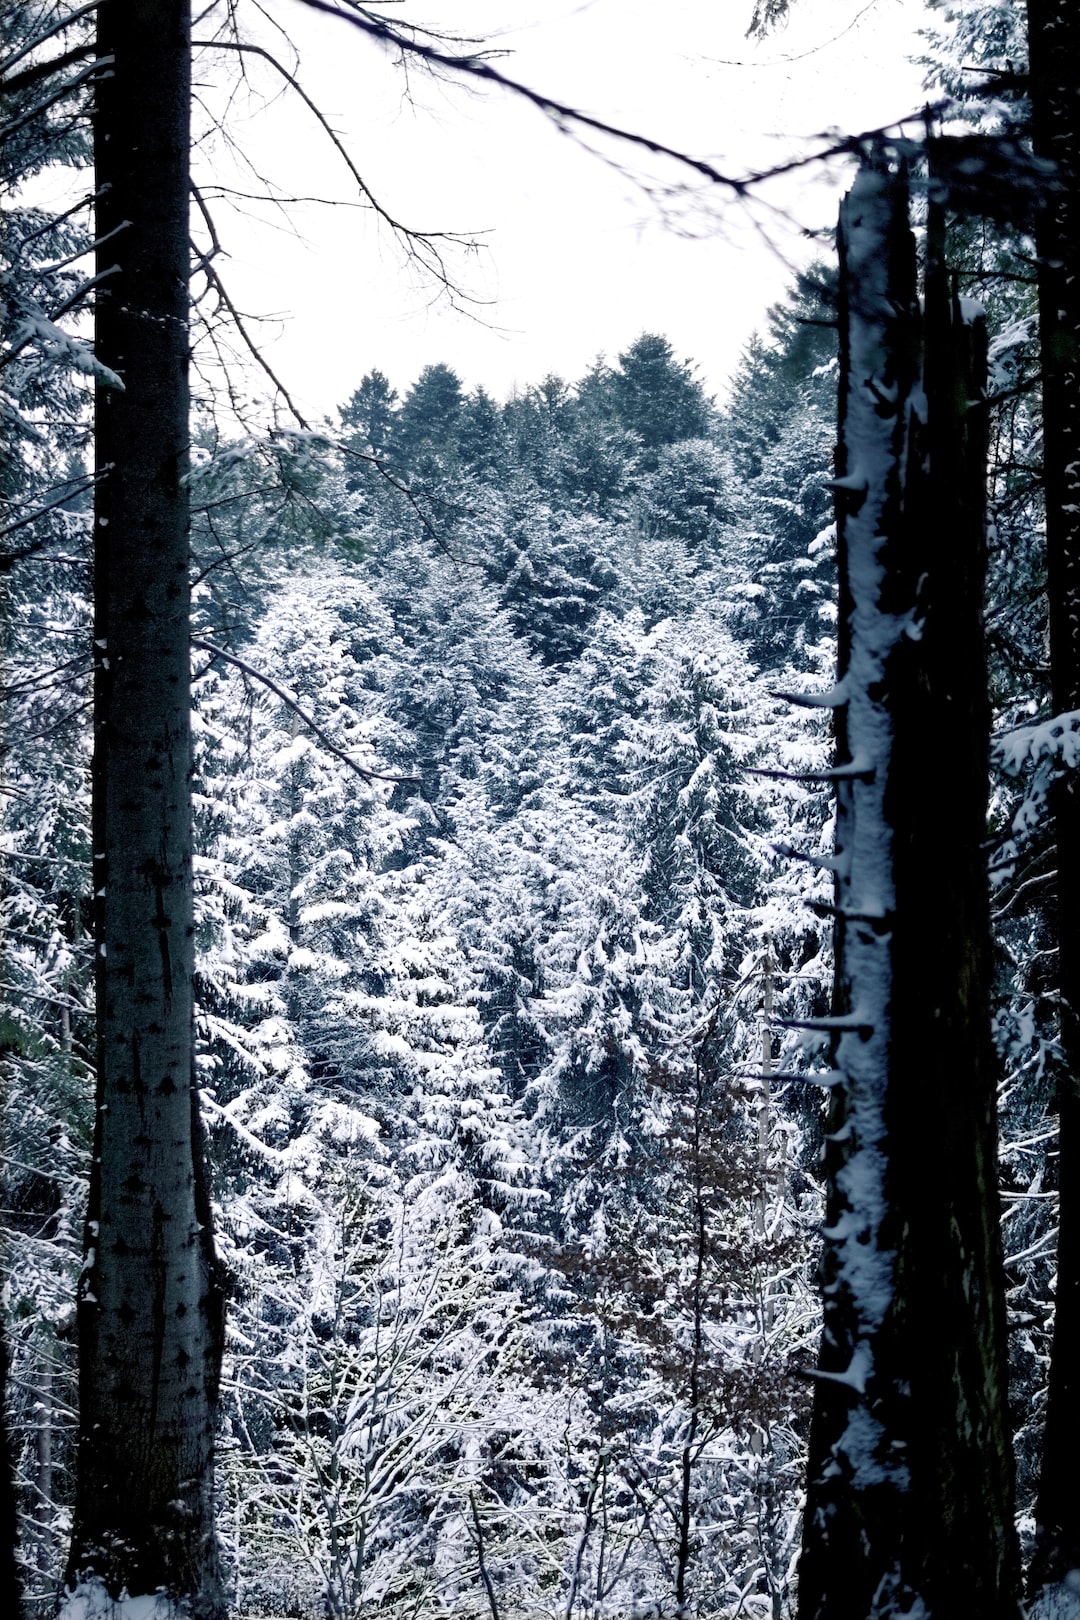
{"points": [[501, 972], [371, 413], [656, 396], [480, 873]]}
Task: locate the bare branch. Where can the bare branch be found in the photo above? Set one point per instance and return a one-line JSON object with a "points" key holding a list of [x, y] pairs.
{"points": [[33, 330], [59, 27], [425, 244], [214, 279], [477, 67], [409, 494], [291, 703], [45, 70], [72, 486], [222, 192], [72, 258], [493, 1604], [15, 124]]}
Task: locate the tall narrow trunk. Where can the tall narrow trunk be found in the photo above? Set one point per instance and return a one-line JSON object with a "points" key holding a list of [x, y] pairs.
{"points": [[909, 1502], [764, 1122], [44, 1509], [10, 1585], [1054, 49], [699, 1308], [149, 1311]]}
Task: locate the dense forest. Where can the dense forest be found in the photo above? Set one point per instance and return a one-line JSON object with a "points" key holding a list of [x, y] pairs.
{"points": [[515, 888]]}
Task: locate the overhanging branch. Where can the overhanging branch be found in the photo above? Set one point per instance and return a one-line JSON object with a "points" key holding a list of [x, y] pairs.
{"points": [[291, 703], [477, 67]]}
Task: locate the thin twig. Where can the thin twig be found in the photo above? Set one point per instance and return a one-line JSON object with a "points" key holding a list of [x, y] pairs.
{"points": [[252, 347], [59, 27], [429, 240], [475, 66], [291, 702], [493, 1602]]}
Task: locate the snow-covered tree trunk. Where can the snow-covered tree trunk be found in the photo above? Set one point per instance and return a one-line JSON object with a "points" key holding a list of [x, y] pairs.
{"points": [[1054, 46], [910, 1503], [149, 1302]]}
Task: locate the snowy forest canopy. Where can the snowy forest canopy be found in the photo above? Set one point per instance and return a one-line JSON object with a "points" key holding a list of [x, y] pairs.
{"points": [[481, 1029], [513, 919]]}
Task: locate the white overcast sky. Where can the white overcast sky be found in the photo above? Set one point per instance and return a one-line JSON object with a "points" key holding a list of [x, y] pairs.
{"points": [[578, 259]]}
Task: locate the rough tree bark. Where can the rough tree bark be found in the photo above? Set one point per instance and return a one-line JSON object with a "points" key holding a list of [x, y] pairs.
{"points": [[150, 1306], [909, 1505], [1054, 50]]}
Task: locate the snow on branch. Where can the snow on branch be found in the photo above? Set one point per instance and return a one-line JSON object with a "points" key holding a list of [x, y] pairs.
{"points": [[292, 703], [1055, 741]]}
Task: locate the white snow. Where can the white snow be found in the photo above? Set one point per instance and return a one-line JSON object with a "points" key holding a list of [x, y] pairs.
{"points": [[91, 1601]]}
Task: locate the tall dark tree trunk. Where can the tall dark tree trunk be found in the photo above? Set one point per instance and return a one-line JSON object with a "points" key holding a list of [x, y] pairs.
{"points": [[1054, 50], [10, 1585], [910, 1486], [150, 1311]]}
